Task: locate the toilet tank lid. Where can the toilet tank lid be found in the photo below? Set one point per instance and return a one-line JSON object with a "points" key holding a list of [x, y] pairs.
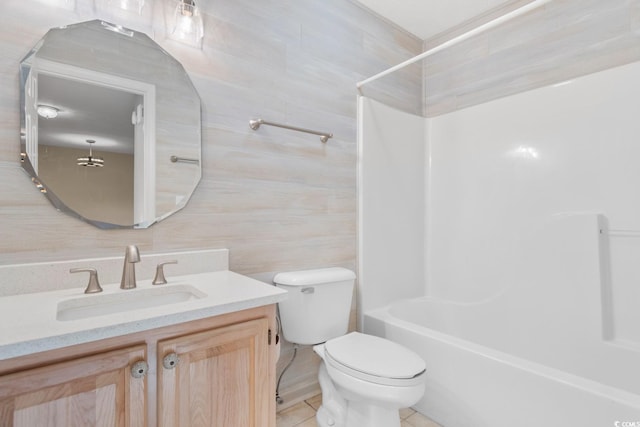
{"points": [[314, 277]]}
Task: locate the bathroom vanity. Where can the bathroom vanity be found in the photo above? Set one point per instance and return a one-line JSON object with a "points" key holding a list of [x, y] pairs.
{"points": [[201, 350]]}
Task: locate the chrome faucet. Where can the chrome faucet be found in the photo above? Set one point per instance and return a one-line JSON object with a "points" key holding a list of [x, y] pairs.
{"points": [[131, 256]]}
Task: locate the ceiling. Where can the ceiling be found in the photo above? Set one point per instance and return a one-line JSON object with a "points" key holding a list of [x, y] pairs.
{"points": [[86, 111], [426, 18]]}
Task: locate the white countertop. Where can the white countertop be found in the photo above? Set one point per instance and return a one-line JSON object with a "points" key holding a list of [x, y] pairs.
{"points": [[29, 324]]}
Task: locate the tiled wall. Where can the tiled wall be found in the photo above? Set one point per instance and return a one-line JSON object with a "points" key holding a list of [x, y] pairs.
{"points": [[278, 200], [551, 44]]}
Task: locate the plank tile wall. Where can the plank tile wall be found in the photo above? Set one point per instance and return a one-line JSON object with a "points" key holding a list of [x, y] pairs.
{"points": [[559, 41], [278, 200]]}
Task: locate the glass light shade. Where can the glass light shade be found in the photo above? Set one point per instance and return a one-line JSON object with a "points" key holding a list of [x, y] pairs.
{"points": [[47, 111], [128, 5], [90, 161], [133, 14], [66, 4], [187, 25]]}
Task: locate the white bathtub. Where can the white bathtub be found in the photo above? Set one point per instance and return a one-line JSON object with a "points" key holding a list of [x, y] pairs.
{"points": [[487, 369]]}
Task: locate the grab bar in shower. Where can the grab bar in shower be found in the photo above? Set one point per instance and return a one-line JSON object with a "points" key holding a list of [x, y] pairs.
{"points": [[175, 159], [255, 125]]}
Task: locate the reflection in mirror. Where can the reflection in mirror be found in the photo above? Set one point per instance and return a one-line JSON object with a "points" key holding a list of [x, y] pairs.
{"points": [[103, 111], [106, 193]]}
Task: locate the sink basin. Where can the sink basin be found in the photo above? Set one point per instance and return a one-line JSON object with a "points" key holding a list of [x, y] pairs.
{"points": [[125, 300]]}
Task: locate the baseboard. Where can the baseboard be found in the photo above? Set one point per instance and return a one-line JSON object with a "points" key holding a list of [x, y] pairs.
{"points": [[292, 397]]}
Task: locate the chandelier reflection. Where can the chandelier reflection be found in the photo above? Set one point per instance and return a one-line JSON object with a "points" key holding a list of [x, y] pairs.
{"points": [[90, 160]]}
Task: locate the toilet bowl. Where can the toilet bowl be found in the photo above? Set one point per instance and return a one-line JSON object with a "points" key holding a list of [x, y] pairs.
{"points": [[365, 379]]}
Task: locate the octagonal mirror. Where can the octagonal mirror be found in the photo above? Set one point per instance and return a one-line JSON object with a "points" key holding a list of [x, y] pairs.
{"points": [[110, 125]]}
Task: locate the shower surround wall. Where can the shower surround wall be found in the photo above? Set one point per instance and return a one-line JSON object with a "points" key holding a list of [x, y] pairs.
{"points": [[392, 193], [550, 45], [279, 200], [533, 238], [532, 223], [557, 42], [532, 213]]}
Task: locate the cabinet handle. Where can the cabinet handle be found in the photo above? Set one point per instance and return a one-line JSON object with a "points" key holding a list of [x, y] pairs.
{"points": [[170, 361], [139, 369]]}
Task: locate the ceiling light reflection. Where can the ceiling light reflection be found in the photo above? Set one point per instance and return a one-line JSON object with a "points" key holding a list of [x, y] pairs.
{"points": [[47, 111], [525, 152]]}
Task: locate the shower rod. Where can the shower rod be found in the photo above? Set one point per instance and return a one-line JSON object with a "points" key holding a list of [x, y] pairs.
{"points": [[533, 4], [255, 125]]}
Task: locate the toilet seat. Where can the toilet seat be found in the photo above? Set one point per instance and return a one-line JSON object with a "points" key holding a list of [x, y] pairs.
{"points": [[374, 359]]}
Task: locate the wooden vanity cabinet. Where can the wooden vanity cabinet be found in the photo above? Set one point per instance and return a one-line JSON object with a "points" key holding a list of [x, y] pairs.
{"points": [[89, 391], [219, 378], [217, 372]]}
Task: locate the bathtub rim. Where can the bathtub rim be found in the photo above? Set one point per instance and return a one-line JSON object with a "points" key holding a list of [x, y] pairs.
{"points": [[582, 384]]}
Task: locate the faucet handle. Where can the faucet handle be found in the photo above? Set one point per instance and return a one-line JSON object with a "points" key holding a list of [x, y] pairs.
{"points": [[160, 279], [94, 285]]}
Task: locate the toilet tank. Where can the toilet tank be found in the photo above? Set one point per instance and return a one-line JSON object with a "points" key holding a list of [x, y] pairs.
{"points": [[318, 305]]}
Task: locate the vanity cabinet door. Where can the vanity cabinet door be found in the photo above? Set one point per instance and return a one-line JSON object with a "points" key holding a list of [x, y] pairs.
{"points": [[97, 390], [219, 378]]}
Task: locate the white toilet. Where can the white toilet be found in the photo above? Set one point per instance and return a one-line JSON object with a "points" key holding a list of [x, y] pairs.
{"points": [[365, 379]]}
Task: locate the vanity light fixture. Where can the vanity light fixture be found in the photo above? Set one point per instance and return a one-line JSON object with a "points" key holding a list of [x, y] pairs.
{"points": [[47, 111], [128, 5], [90, 161], [187, 25], [136, 14], [66, 4]]}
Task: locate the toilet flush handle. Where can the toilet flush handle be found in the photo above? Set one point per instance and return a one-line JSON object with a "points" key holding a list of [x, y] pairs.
{"points": [[307, 290]]}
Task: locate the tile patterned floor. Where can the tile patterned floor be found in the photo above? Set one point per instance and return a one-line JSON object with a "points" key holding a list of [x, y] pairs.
{"points": [[304, 415]]}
